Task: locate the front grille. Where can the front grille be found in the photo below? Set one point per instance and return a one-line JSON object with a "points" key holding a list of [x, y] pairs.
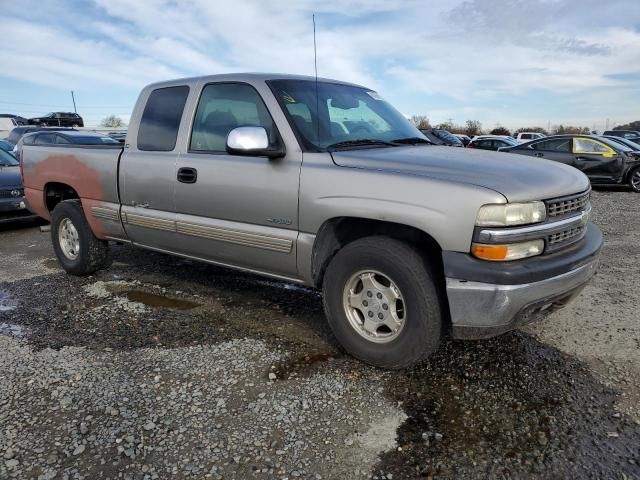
{"points": [[565, 206], [9, 194], [564, 238]]}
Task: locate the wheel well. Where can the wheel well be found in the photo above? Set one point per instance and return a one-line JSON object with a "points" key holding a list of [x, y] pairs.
{"points": [[55, 193], [338, 232]]}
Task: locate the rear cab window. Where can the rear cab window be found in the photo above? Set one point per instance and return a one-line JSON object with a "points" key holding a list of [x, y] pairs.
{"points": [[161, 119]]}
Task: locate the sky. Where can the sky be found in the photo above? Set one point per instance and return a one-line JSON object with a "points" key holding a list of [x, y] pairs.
{"points": [[510, 62]]}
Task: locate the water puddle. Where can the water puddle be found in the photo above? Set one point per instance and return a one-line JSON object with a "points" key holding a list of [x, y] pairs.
{"points": [[301, 366], [13, 330], [157, 301], [52, 264], [7, 304]]}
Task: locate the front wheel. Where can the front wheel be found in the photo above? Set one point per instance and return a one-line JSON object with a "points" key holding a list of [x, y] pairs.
{"points": [[382, 303], [77, 248], [634, 180]]}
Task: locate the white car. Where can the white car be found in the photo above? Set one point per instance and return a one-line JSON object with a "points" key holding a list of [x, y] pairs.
{"points": [[524, 137]]}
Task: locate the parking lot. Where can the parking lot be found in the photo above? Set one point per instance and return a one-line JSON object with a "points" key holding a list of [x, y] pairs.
{"points": [[161, 367]]}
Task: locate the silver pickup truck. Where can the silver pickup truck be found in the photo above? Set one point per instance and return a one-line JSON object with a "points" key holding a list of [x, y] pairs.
{"points": [[323, 183]]}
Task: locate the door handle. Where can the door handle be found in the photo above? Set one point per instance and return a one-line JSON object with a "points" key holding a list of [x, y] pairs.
{"points": [[539, 155], [187, 175]]}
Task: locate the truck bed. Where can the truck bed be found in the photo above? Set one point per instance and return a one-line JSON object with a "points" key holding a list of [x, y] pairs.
{"points": [[90, 171]]}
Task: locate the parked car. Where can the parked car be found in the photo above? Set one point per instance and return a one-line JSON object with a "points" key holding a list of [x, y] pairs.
{"points": [[120, 136], [17, 133], [407, 240], [445, 137], [8, 122], [12, 205], [428, 133], [463, 138], [6, 146], [523, 137], [58, 119], [632, 145], [492, 143], [48, 137], [604, 161], [632, 135]]}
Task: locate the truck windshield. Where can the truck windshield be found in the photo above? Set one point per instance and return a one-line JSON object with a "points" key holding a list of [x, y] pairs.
{"points": [[341, 116]]}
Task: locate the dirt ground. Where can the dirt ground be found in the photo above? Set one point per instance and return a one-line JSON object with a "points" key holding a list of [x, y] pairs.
{"points": [[161, 367]]}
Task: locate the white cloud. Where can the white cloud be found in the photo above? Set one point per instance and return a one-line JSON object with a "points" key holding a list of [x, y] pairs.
{"points": [[472, 53]]}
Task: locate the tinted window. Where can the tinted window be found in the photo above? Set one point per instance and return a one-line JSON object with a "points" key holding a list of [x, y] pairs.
{"points": [[61, 140], [45, 139], [557, 145], [7, 159], [161, 119], [223, 107], [526, 136]]}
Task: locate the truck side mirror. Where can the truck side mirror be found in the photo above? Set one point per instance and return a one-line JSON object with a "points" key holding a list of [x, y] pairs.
{"points": [[252, 141]]}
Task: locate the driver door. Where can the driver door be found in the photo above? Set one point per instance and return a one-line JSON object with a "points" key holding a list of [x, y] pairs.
{"points": [[232, 209]]}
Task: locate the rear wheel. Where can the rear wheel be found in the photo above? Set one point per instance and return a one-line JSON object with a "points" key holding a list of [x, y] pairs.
{"points": [[381, 301], [77, 248], [634, 180]]}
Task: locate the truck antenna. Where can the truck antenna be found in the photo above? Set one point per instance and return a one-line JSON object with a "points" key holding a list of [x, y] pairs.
{"points": [[315, 65]]}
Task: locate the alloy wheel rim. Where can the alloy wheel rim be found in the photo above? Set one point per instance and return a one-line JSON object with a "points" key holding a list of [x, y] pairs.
{"points": [[68, 239], [635, 180], [374, 306]]}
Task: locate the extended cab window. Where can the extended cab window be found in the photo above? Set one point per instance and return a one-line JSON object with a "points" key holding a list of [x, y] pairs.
{"points": [[161, 119], [223, 107]]}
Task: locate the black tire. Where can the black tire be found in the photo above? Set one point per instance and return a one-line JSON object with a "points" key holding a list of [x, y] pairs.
{"points": [[92, 255], [634, 179], [416, 279]]}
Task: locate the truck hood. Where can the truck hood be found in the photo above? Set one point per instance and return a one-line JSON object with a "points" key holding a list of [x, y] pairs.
{"points": [[517, 177], [10, 177]]}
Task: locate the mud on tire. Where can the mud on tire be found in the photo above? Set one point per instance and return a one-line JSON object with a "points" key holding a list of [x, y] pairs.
{"points": [[77, 248], [365, 273]]}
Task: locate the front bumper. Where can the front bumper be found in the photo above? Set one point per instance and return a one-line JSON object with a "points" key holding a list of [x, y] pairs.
{"points": [[14, 210], [487, 299]]}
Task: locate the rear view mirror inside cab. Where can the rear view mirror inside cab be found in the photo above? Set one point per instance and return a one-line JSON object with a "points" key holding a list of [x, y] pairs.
{"points": [[344, 102]]}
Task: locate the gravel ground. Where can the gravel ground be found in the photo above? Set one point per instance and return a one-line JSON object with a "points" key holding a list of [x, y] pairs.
{"points": [[165, 368]]}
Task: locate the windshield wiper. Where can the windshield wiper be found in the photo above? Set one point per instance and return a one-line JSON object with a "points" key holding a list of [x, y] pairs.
{"points": [[412, 140], [362, 142]]}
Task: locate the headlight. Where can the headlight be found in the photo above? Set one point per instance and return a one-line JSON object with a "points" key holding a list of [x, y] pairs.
{"points": [[507, 252], [510, 214]]}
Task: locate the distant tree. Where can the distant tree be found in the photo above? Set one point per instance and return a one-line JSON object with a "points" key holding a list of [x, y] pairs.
{"points": [[500, 131], [629, 126], [532, 129], [458, 129], [568, 129], [420, 121], [448, 126], [112, 121], [474, 127]]}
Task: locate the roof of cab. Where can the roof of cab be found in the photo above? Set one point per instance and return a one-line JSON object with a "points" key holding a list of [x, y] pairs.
{"points": [[244, 77]]}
